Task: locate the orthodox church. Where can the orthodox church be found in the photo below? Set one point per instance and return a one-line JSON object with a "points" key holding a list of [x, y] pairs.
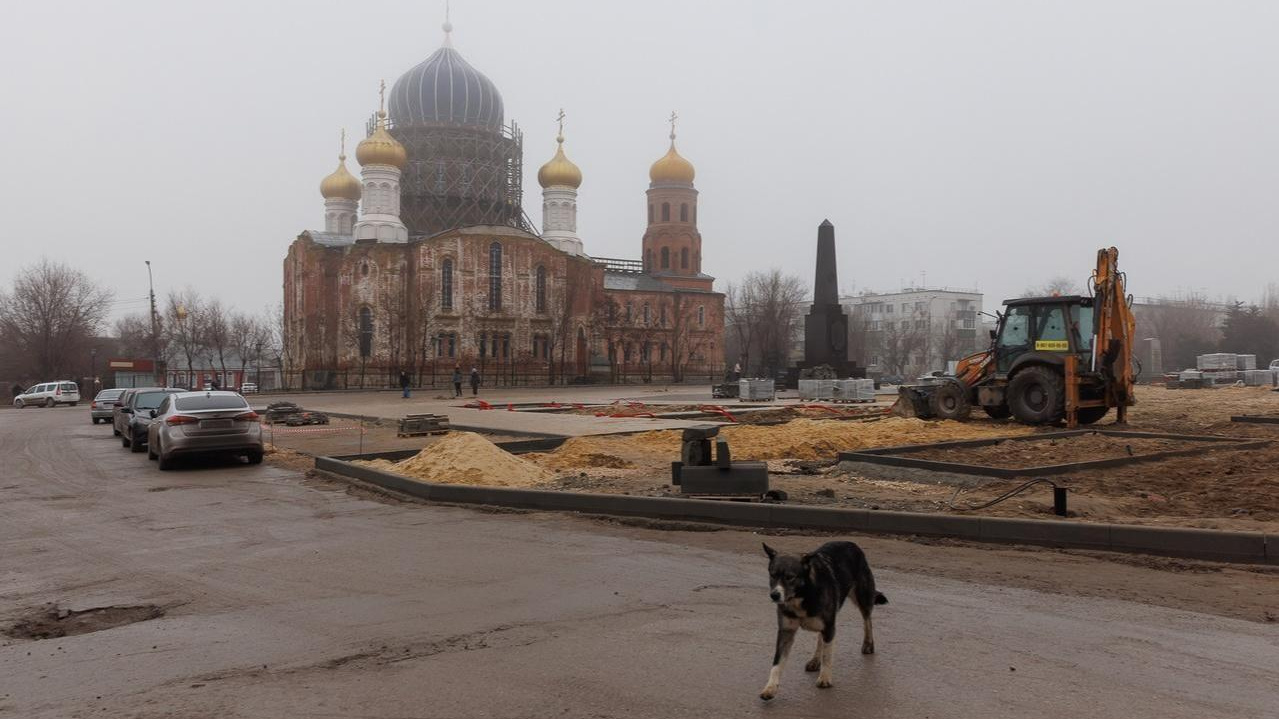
{"points": [[428, 262]]}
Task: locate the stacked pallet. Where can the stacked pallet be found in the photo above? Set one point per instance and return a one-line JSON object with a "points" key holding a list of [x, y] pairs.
{"points": [[756, 390], [416, 425], [854, 390], [1260, 377], [1245, 362], [817, 389]]}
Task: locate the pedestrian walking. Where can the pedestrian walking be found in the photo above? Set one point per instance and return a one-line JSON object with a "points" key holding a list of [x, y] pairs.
{"points": [[475, 381], [457, 381], [404, 383], [737, 371]]}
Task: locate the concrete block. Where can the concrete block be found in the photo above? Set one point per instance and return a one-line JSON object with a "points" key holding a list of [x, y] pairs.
{"points": [[1049, 532], [800, 517], [1201, 543], [930, 524]]}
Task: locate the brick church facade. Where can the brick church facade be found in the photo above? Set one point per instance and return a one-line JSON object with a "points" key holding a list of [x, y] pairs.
{"points": [[427, 261]]}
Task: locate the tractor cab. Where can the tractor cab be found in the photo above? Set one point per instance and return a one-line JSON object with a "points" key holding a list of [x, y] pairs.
{"points": [[1043, 330]]}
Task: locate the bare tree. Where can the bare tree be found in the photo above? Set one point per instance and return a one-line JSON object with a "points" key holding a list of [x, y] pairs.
{"points": [[901, 342], [49, 319], [183, 315], [134, 335], [766, 311], [277, 345], [216, 323], [1056, 285], [1186, 326]]}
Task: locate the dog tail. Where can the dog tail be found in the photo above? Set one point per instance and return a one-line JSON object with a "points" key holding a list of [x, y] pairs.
{"points": [[880, 598]]}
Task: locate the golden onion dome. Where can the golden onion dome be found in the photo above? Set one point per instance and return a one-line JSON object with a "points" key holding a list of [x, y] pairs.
{"points": [[380, 148], [672, 167], [560, 170], [340, 184]]}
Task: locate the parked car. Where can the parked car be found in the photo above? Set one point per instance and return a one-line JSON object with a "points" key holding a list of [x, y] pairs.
{"points": [[136, 415], [249, 388], [1274, 365], [102, 408], [191, 423], [49, 394]]}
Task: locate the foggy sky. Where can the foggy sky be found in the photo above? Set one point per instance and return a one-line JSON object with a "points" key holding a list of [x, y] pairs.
{"points": [[990, 144]]}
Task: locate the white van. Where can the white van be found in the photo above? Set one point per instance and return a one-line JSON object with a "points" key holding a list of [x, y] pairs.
{"points": [[49, 394]]}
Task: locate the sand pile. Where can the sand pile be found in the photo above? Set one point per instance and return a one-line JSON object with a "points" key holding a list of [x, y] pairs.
{"points": [[798, 439], [467, 458]]}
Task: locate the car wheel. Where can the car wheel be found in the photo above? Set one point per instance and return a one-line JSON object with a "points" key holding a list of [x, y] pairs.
{"points": [[115, 431], [19, 404], [166, 462], [150, 452], [48, 402], [135, 445], [254, 457], [124, 440], [1037, 395]]}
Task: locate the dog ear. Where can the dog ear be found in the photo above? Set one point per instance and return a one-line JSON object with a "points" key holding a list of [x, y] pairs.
{"points": [[772, 553]]}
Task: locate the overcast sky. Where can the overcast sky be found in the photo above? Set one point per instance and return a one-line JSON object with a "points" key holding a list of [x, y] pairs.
{"points": [[991, 144]]}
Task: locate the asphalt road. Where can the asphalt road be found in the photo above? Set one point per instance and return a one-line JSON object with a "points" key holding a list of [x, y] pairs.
{"points": [[289, 597]]}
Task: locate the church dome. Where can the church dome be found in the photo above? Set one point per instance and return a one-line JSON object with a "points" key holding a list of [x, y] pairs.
{"points": [[560, 171], [672, 167], [380, 148], [444, 89], [340, 184]]}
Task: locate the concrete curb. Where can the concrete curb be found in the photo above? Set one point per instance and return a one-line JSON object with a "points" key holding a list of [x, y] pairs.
{"points": [[1226, 546]]}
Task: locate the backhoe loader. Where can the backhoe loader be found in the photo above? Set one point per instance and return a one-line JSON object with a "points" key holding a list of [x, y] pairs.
{"points": [[1051, 359]]}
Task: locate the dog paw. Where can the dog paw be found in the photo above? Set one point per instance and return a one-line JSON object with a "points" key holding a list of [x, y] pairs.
{"points": [[767, 694], [813, 665], [868, 649], [824, 684]]}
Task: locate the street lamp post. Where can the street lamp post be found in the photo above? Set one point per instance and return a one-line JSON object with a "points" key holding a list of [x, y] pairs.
{"points": [[155, 330]]}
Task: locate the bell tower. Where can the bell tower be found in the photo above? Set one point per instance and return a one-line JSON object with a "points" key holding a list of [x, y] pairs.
{"points": [[672, 246]]}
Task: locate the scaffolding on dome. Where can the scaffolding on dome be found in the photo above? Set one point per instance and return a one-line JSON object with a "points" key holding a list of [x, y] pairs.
{"points": [[458, 176]]}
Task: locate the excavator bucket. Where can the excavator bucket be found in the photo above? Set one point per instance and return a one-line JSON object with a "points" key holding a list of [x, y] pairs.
{"points": [[913, 401]]}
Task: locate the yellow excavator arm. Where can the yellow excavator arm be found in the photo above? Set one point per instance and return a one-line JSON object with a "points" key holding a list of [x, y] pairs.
{"points": [[1115, 329]]}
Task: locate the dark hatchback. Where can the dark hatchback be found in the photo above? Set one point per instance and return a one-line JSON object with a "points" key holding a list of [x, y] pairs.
{"points": [[135, 415]]}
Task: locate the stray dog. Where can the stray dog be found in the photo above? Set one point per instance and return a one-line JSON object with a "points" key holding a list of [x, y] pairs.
{"points": [[809, 592]]}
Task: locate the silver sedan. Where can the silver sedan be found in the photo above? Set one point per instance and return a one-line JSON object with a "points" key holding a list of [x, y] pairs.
{"points": [[189, 423]]}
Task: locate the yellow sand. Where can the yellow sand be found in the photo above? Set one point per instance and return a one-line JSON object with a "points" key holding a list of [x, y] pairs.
{"points": [[798, 439], [467, 458]]}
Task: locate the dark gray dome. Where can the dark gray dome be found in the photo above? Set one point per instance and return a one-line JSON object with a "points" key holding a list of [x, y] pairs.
{"points": [[445, 89]]}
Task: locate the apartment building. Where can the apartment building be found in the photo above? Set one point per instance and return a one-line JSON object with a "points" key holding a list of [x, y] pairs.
{"points": [[914, 331]]}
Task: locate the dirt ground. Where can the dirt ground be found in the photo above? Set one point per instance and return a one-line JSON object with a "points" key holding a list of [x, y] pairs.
{"points": [[1222, 488]]}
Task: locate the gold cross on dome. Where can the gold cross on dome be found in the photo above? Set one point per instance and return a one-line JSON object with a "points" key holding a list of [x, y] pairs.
{"points": [[343, 152], [381, 96], [673, 118], [560, 119]]}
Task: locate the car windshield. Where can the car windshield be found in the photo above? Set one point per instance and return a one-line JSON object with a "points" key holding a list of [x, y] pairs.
{"points": [[212, 401], [107, 395], [148, 400]]}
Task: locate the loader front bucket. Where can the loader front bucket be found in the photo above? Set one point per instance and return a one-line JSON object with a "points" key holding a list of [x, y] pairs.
{"points": [[912, 401]]}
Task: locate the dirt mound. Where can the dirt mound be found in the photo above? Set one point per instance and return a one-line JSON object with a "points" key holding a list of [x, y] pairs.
{"points": [[578, 456], [467, 458]]}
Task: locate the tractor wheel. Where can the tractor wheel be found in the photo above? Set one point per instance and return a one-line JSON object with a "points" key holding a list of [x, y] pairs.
{"points": [[950, 401], [1037, 395], [998, 411], [1091, 415]]}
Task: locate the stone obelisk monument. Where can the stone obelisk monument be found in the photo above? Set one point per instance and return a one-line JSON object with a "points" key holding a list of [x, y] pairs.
{"points": [[826, 325]]}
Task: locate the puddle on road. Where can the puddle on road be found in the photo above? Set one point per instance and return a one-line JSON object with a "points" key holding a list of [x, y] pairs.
{"points": [[50, 622]]}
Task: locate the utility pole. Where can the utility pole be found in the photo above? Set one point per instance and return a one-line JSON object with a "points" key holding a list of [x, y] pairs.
{"points": [[155, 329]]}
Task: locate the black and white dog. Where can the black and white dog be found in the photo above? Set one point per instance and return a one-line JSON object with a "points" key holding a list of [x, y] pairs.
{"points": [[809, 592]]}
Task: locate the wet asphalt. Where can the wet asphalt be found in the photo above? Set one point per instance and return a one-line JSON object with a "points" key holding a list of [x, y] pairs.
{"points": [[285, 596]]}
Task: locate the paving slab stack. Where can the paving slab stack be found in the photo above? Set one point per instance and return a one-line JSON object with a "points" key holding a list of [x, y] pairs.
{"points": [[817, 389], [855, 390], [757, 389], [1220, 367]]}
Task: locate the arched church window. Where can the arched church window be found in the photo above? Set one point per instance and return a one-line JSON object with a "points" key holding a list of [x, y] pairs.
{"points": [[666, 212], [666, 258], [644, 313], [366, 331], [364, 269], [541, 289], [683, 212], [701, 316], [446, 284], [683, 258], [495, 277]]}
